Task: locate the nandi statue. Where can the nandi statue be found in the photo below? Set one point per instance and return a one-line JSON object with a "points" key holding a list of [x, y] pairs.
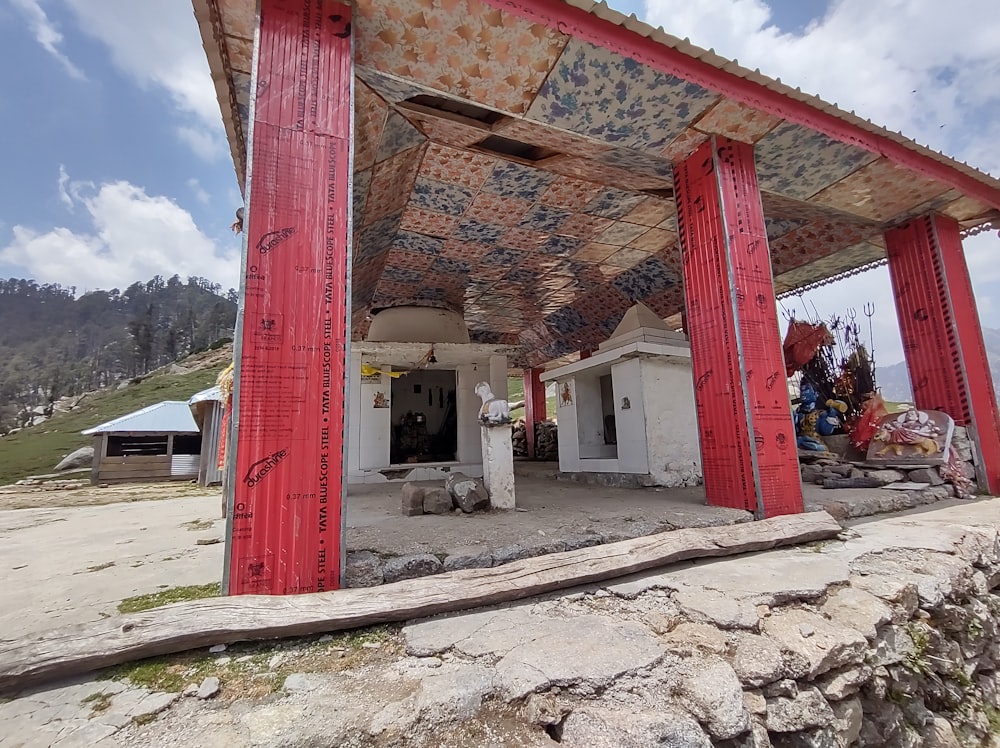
{"points": [[494, 411]]}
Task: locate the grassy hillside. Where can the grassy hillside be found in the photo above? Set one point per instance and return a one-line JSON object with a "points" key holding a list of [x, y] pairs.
{"points": [[38, 449]]}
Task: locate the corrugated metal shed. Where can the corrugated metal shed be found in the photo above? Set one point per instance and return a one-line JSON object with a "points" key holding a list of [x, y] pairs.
{"points": [[168, 417], [212, 393]]}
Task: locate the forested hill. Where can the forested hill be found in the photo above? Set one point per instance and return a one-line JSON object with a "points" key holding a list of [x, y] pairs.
{"points": [[54, 344]]}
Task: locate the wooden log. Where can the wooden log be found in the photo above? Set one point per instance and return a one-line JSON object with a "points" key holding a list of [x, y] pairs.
{"points": [[173, 628]]}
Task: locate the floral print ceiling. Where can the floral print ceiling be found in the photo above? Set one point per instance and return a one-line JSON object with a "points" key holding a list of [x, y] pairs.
{"points": [[524, 177]]}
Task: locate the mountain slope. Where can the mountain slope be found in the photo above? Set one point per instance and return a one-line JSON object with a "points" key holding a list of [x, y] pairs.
{"points": [[895, 381], [54, 344], [37, 449]]}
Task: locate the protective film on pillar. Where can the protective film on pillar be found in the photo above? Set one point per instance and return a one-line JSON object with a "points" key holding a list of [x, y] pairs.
{"points": [[749, 457], [941, 334], [285, 523]]}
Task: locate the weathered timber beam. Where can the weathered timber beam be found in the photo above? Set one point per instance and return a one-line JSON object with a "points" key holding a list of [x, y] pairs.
{"points": [[73, 650]]}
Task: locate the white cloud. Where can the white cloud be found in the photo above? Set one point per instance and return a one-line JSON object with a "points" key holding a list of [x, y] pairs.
{"points": [[204, 141], [47, 35], [199, 192], [133, 236], [157, 44], [910, 65]]}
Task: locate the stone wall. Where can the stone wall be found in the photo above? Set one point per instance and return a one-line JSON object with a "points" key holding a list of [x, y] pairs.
{"points": [[884, 640]]}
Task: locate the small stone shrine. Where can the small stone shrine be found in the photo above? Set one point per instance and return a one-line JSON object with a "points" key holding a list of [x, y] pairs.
{"points": [[629, 408]]}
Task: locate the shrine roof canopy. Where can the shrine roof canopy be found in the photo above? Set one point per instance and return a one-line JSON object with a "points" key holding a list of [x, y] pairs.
{"points": [[513, 161]]}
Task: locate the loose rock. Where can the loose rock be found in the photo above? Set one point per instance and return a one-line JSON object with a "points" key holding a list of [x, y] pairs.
{"points": [[208, 688], [437, 501], [363, 569], [410, 567], [412, 499]]}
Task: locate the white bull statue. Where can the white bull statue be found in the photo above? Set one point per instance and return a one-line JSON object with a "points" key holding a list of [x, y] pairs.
{"points": [[494, 410]]}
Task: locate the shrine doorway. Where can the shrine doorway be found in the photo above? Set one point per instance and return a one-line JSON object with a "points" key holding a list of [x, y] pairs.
{"points": [[424, 418]]}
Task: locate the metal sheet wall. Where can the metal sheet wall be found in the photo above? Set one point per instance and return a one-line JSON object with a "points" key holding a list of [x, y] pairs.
{"points": [[749, 457], [942, 337], [285, 523]]}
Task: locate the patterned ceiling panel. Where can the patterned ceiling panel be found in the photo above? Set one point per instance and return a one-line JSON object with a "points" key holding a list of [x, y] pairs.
{"points": [[463, 47], [847, 259], [683, 145], [595, 171], [549, 247], [370, 112], [391, 183], [813, 242], [602, 95], [652, 212], [398, 136], [879, 191], [457, 166], [797, 162], [965, 209], [532, 133], [654, 240], [639, 163], [737, 121], [238, 17]]}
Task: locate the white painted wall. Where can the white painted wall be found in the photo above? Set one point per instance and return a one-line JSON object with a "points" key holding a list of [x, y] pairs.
{"points": [[569, 447], [467, 403], [672, 425], [632, 450], [373, 439]]}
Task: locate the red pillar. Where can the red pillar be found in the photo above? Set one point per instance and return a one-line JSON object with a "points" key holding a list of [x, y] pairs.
{"points": [[748, 451], [942, 338], [284, 533], [534, 407]]}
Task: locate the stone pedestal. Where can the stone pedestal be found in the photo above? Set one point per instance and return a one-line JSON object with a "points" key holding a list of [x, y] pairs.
{"points": [[498, 465]]}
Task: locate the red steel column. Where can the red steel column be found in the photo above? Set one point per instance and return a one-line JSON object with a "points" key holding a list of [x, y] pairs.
{"points": [[534, 407], [942, 337], [748, 451], [285, 518]]}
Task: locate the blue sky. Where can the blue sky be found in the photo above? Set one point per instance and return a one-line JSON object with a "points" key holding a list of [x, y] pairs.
{"points": [[117, 168]]}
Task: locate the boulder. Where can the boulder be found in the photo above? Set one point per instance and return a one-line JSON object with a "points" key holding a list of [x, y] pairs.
{"points": [[468, 494], [885, 477], [712, 693], [437, 501], [857, 609], [757, 661], [806, 710], [602, 728], [714, 607], [926, 475], [81, 458], [468, 558], [363, 569], [413, 500], [411, 567], [824, 645]]}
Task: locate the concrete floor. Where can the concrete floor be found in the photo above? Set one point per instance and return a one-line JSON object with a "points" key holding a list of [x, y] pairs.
{"points": [[550, 509], [71, 564]]}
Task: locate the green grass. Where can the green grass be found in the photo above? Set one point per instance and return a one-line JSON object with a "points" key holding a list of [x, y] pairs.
{"points": [[515, 392], [37, 450], [166, 597]]}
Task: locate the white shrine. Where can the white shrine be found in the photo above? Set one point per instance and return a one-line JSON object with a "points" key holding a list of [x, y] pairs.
{"points": [[629, 408]]}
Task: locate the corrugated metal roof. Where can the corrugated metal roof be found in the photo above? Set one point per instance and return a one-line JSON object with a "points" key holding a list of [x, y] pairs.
{"points": [[212, 393], [168, 417]]}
